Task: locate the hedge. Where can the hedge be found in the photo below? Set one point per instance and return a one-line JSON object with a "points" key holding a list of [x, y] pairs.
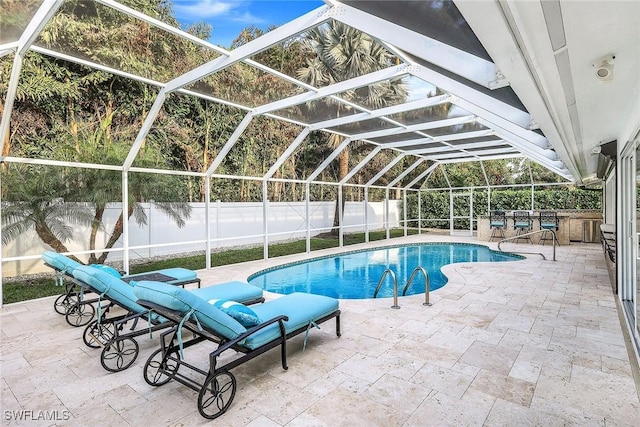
{"points": [[435, 205]]}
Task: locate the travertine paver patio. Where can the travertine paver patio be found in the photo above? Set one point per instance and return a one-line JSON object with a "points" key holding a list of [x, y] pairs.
{"points": [[523, 343]]}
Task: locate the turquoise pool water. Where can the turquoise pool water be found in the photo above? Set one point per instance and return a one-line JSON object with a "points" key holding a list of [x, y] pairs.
{"points": [[355, 275]]}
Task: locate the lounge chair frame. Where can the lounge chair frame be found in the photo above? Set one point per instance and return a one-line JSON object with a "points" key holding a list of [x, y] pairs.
{"points": [[120, 349], [217, 390], [80, 311], [71, 303]]}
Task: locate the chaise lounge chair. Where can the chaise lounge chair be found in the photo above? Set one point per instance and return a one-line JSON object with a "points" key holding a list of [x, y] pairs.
{"points": [[248, 332], [79, 311], [120, 350]]}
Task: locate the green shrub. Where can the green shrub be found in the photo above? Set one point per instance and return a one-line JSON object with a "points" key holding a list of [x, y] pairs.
{"points": [[435, 205]]}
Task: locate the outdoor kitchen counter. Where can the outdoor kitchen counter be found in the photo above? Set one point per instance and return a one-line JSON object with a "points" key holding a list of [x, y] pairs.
{"points": [[571, 225]]}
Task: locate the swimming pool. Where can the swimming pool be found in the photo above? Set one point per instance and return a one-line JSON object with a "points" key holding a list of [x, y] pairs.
{"points": [[355, 275]]}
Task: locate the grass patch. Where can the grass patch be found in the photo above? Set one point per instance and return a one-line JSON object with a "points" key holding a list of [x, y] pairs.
{"points": [[29, 289], [45, 286]]}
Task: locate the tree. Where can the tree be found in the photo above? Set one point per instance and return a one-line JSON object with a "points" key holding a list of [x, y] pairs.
{"points": [[35, 201], [65, 111], [339, 53]]}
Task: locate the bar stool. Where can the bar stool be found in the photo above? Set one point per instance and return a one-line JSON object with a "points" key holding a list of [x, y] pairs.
{"points": [[548, 221], [522, 225], [497, 222]]}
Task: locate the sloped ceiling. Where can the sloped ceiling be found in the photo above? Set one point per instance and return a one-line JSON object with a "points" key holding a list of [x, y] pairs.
{"points": [[522, 72], [547, 51]]}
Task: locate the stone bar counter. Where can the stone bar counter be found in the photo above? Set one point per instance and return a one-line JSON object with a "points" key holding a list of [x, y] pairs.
{"points": [[571, 225]]}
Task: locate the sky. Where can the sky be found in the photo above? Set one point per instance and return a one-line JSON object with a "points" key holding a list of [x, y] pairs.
{"points": [[229, 17]]}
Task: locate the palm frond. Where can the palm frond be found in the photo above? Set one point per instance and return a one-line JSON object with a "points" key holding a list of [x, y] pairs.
{"points": [[178, 212], [11, 231], [60, 229]]}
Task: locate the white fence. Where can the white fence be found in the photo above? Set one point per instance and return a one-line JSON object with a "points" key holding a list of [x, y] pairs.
{"points": [[232, 224]]}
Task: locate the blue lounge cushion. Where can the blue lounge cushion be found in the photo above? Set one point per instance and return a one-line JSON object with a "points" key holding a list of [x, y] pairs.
{"points": [[300, 308], [184, 301], [113, 287], [112, 271], [241, 313], [60, 262], [234, 291]]}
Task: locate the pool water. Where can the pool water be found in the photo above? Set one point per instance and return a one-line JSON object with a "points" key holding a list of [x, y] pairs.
{"points": [[355, 275]]}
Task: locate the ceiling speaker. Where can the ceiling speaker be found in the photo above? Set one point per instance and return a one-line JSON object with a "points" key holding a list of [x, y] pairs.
{"points": [[604, 68]]}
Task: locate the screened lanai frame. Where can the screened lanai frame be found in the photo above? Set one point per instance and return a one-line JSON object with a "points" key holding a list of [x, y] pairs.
{"points": [[469, 81]]}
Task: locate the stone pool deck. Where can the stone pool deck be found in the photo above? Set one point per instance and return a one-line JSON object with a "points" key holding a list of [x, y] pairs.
{"points": [[531, 342]]}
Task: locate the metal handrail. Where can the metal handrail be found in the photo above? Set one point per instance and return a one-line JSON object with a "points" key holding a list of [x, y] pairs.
{"points": [[426, 284], [553, 233], [395, 287]]}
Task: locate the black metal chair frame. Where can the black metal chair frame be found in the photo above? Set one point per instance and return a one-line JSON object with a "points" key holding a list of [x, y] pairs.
{"points": [[217, 390], [120, 350], [520, 217], [548, 217], [80, 311], [495, 217], [72, 304]]}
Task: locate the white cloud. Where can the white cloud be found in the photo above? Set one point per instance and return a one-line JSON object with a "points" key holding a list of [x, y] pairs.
{"points": [[232, 10], [204, 8], [247, 18]]}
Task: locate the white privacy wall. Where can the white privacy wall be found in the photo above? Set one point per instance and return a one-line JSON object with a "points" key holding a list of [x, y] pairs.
{"points": [[232, 224]]}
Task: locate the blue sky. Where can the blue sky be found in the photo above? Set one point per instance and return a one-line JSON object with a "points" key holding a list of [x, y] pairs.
{"points": [[229, 17]]}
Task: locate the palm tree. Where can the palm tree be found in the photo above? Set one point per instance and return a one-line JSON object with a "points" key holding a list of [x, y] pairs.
{"points": [[339, 53], [101, 187], [35, 201]]}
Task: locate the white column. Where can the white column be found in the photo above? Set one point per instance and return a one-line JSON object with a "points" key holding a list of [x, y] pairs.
{"points": [[307, 211], [265, 221], [207, 221], [404, 210], [386, 206], [340, 217], [420, 211], [125, 221], [366, 214]]}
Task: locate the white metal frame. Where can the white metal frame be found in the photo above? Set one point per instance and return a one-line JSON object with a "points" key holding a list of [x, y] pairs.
{"points": [[510, 126], [452, 197], [627, 236]]}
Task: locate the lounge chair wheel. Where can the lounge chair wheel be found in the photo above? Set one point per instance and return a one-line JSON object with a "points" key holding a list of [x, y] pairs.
{"points": [[157, 365], [63, 302], [216, 394], [118, 355], [79, 314], [97, 335]]}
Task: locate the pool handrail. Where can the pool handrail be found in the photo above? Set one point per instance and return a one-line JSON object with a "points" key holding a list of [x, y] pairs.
{"points": [[553, 233], [395, 287], [406, 286], [426, 283]]}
